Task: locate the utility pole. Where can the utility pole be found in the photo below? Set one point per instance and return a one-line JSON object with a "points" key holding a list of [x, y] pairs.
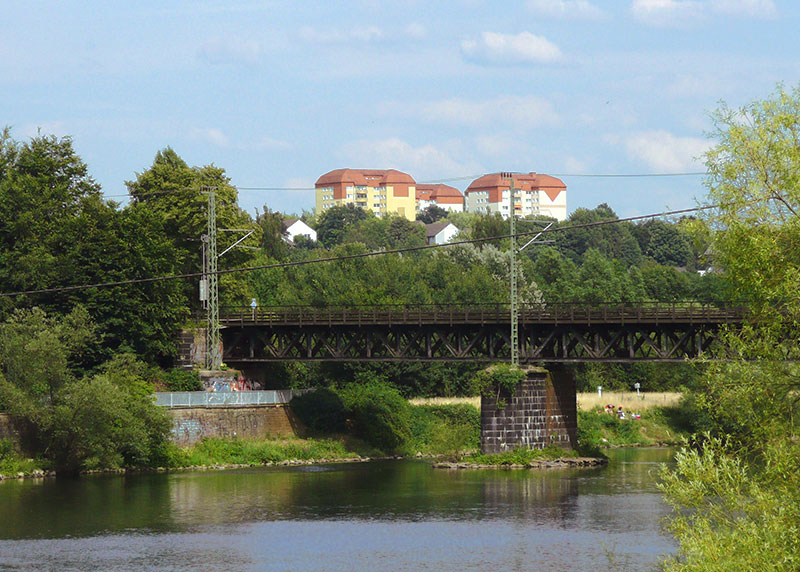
{"points": [[213, 357], [514, 294]]}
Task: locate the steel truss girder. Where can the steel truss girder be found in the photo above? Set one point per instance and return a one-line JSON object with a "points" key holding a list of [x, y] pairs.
{"points": [[488, 342]]}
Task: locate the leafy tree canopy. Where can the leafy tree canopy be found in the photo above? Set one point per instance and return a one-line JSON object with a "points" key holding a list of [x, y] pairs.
{"points": [[334, 223], [431, 214]]}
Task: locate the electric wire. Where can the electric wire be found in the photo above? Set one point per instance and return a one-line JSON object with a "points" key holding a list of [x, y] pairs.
{"points": [[443, 180], [59, 289]]}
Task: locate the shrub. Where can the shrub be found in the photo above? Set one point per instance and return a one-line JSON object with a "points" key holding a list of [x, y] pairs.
{"points": [[444, 429], [182, 380], [320, 410], [499, 381], [380, 414]]}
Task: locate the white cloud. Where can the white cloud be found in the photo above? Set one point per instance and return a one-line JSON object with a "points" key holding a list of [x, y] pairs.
{"points": [[684, 12], [750, 8], [667, 12], [340, 36], [495, 145], [522, 112], [575, 165], [425, 162], [664, 152], [565, 9], [210, 135], [271, 144], [509, 49], [416, 30], [230, 50]]}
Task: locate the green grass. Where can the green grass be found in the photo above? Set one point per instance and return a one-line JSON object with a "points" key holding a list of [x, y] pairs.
{"points": [[445, 430], [657, 425], [11, 463], [235, 451]]}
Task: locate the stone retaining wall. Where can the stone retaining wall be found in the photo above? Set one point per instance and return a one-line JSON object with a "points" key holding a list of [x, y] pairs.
{"points": [[191, 424], [7, 430]]}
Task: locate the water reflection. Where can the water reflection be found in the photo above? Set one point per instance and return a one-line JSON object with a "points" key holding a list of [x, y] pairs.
{"points": [[349, 517]]}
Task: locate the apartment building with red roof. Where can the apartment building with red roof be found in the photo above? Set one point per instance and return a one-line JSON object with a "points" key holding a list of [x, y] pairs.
{"points": [[379, 191], [534, 194], [443, 196]]}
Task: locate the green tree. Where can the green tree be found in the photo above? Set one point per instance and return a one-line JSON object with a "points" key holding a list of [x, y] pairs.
{"points": [[431, 214], [387, 233], [665, 283], [97, 421], [55, 230], [663, 242], [601, 280], [488, 226], [556, 276], [40, 353], [742, 492], [333, 223], [272, 234], [615, 241], [43, 184], [177, 193]]}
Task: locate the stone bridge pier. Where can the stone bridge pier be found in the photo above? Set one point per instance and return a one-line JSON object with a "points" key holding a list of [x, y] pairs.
{"points": [[542, 412]]}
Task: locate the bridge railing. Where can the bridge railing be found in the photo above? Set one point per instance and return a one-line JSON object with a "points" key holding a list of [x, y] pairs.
{"points": [[223, 398], [570, 312]]}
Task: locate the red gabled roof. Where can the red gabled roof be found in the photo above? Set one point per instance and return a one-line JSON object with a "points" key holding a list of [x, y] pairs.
{"points": [[522, 181], [368, 177], [440, 193]]}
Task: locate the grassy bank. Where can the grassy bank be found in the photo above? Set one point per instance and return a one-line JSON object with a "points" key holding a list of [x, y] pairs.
{"points": [[448, 429], [12, 464], [628, 399], [235, 451], [657, 426]]}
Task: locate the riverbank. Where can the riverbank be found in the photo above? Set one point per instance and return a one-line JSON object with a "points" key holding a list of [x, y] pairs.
{"points": [[449, 433]]}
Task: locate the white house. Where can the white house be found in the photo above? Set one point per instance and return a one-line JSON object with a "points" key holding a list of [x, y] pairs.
{"points": [[296, 227], [440, 232]]}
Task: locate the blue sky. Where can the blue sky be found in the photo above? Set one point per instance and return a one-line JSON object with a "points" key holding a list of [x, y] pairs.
{"points": [[278, 93]]}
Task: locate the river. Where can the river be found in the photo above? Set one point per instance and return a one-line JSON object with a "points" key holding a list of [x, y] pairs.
{"points": [[395, 515]]}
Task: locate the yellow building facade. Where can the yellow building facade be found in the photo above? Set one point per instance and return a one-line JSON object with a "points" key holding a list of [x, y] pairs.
{"points": [[381, 192]]}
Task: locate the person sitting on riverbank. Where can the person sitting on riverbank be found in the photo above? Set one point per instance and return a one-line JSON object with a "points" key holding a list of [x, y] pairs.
{"points": [[610, 409], [620, 413]]}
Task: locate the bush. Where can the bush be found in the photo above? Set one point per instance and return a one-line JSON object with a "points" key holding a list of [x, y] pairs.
{"points": [[444, 429], [320, 410], [380, 414], [182, 380], [499, 381]]}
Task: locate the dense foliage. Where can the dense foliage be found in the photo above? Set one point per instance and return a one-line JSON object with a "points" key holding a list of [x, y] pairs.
{"points": [[72, 419], [377, 413], [739, 482]]}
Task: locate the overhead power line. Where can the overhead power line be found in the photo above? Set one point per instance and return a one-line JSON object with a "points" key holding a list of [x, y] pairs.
{"points": [[444, 180], [353, 256]]}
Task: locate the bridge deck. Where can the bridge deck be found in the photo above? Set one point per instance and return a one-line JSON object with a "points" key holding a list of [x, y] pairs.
{"points": [[552, 314]]}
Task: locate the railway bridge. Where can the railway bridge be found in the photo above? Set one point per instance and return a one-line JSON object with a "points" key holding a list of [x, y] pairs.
{"points": [[543, 410], [548, 333]]}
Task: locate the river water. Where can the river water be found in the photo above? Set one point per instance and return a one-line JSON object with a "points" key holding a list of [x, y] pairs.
{"points": [[395, 515]]}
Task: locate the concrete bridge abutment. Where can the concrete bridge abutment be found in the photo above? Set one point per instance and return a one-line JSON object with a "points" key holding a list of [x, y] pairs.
{"points": [[541, 412]]}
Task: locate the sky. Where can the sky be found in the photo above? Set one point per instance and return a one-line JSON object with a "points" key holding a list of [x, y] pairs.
{"points": [[278, 93]]}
